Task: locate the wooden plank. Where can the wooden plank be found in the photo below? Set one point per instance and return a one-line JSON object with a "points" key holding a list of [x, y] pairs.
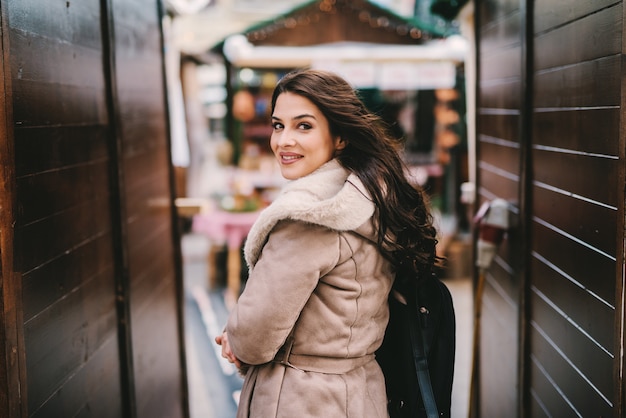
{"points": [[591, 269], [545, 394], [40, 149], [597, 370], [90, 391], [576, 86], [143, 156], [597, 318], [555, 13], [499, 346], [585, 130], [503, 94], [497, 184], [71, 23], [52, 281], [50, 192], [42, 241], [13, 397], [577, 174], [70, 331], [500, 126], [503, 155], [594, 36], [500, 64]]}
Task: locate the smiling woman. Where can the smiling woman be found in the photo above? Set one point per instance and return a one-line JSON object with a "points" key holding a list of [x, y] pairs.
{"points": [[323, 257], [301, 139]]}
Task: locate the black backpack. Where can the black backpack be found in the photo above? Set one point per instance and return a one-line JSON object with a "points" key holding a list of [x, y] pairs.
{"points": [[420, 336]]}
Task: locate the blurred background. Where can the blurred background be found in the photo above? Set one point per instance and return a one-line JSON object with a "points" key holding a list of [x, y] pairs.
{"points": [[223, 59]]}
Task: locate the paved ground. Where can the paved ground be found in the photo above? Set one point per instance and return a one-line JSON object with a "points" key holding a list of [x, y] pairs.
{"points": [[213, 382]]}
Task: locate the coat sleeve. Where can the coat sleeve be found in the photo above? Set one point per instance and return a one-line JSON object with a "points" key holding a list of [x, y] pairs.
{"points": [[292, 261]]}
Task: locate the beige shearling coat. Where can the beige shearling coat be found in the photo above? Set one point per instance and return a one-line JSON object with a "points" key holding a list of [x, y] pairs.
{"points": [[314, 309]]}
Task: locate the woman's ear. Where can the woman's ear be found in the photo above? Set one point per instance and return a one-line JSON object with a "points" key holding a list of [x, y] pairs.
{"points": [[340, 143]]}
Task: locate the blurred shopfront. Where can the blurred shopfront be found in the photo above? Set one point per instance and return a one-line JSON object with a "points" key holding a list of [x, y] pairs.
{"points": [[410, 73]]}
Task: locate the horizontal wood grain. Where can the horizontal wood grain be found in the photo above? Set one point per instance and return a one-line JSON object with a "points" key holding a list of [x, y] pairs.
{"points": [[505, 127], [555, 13], [501, 64], [595, 36], [597, 319], [52, 281], [577, 174], [39, 149], [577, 86], [505, 185], [501, 154], [589, 130], [70, 331], [90, 390], [576, 387], [501, 94], [591, 269]]}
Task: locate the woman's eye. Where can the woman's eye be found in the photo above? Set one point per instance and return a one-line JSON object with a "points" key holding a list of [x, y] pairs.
{"points": [[304, 126], [277, 125]]}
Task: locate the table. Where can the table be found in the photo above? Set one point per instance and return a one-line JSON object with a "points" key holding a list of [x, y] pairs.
{"points": [[230, 228]]}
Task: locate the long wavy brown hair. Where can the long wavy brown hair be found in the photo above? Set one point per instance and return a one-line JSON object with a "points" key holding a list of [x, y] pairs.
{"points": [[406, 234]]}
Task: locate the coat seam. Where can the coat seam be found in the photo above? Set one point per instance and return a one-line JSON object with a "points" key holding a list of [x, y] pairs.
{"points": [[356, 301]]}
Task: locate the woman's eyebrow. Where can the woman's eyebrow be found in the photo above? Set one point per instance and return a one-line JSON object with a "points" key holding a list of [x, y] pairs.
{"points": [[302, 116]]}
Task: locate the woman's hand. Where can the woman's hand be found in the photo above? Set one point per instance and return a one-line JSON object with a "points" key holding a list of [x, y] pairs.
{"points": [[226, 351]]}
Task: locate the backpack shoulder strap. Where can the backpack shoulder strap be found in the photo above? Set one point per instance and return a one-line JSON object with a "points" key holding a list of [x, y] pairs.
{"points": [[419, 356]]}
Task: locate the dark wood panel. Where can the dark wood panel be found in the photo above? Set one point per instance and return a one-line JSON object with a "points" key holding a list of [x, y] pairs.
{"points": [[594, 271], [71, 23], [147, 236], [500, 24], [146, 289], [152, 165], [498, 348], [502, 277], [152, 327], [553, 13], [501, 64], [70, 332], [41, 103], [67, 64], [51, 192], [504, 155], [588, 131], [536, 409], [575, 44], [90, 391], [596, 318], [42, 241], [54, 280], [574, 386], [48, 148], [552, 403], [577, 85], [565, 212], [578, 174], [501, 126], [150, 250], [498, 185], [503, 94]]}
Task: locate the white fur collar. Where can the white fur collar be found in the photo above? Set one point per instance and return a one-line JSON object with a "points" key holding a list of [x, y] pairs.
{"points": [[330, 196]]}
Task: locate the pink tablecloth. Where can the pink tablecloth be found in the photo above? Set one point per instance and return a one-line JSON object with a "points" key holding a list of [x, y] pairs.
{"points": [[224, 227]]}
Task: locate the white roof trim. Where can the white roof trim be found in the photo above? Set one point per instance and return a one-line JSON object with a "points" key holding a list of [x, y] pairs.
{"points": [[242, 53]]}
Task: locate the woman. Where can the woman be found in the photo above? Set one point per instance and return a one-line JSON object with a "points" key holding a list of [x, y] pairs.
{"points": [[323, 257]]}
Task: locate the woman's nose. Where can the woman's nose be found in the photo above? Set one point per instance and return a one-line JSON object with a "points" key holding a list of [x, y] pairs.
{"points": [[286, 138]]}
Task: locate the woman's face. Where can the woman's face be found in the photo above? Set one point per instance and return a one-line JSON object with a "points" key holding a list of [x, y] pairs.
{"points": [[301, 138]]}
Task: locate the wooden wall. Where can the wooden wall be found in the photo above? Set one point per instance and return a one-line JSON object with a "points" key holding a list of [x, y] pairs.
{"points": [[551, 141], [90, 259], [500, 119]]}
